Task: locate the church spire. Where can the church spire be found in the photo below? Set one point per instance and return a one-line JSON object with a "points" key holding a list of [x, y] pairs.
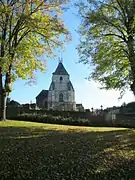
{"points": [[60, 70], [60, 60]]}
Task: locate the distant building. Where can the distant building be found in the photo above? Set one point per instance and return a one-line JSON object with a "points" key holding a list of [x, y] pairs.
{"points": [[79, 107], [42, 99], [61, 94], [13, 103]]}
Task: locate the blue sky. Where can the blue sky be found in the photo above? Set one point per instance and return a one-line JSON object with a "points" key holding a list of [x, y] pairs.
{"points": [[86, 92]]}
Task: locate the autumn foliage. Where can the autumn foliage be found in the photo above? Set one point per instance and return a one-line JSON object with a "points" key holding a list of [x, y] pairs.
{"points": [[28, 30]]}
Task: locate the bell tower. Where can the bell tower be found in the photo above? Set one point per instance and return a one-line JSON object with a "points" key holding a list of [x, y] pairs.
{"points": [[61, 94]]}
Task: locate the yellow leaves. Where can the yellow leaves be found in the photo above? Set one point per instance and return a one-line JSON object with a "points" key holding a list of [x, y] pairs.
{"points": [[34, 28]]}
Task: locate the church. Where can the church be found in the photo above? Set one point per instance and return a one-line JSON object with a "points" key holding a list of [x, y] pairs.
{"points": [[61, 93]]}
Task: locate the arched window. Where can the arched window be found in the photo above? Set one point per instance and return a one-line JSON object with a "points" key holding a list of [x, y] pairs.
{"points": [[61, 97], [61, 79]]}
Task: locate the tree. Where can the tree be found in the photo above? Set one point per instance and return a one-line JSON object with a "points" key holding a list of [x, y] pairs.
{"points": [[108, 42], [28, 29]]}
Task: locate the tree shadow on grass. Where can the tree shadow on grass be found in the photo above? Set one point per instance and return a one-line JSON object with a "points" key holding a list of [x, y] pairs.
{"points": [[37, 153]]}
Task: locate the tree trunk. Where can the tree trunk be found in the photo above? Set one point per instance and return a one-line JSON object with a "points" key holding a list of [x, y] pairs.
{"points": [[1, 96], [3, 106], [132, 61], [4, 92], [133, 87]]}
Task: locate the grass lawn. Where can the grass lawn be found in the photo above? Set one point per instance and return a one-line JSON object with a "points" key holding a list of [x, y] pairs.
{"points": [[56, 152]]}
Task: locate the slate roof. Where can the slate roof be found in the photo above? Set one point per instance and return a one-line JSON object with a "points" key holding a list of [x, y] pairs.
{"points": [[70, 85], [79, 105], [42, 95], [14, 103], [52, 86], [60, 70]]}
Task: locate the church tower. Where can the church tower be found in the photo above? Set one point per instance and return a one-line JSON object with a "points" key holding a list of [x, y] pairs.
{"points": [[61, 94]]}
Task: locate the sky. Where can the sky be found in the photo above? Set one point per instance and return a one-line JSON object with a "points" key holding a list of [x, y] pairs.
{"points": [[86, 92]]}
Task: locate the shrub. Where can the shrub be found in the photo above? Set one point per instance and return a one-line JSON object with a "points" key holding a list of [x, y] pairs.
{"points": [[44, 118], [121, 121]]}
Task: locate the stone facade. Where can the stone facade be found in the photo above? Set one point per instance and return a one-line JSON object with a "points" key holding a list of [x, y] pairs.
{"points": [[61, 94], [80, 108]]}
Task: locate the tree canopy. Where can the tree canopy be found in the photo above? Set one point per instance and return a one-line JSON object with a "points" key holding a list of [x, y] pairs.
{"points": [[107, 42], [28, 30]]}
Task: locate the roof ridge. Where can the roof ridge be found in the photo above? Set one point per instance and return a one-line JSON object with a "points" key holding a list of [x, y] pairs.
{"points": [[60, 70]]}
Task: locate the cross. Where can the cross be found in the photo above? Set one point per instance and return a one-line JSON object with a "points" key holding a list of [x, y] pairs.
{"points": [[61, 59]]}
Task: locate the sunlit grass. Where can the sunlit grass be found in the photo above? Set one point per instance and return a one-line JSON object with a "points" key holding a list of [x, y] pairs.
{"points": [[57, 152], [56, 127]]}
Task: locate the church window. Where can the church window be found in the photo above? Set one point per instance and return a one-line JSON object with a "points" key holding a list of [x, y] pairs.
{"points": [[61, 97], [61, 79]]}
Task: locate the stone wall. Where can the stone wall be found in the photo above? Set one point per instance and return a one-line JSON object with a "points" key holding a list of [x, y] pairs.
{"points": [[63, 106], [14, 112], [122, 120], [61, 87]]}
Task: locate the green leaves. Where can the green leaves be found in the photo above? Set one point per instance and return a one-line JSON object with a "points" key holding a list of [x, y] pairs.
{"points": [[28, 30], [105, 41]]}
